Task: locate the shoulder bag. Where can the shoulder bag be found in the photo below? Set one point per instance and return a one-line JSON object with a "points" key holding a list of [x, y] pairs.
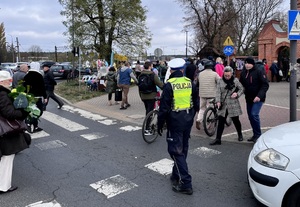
{"points": [[10, 126]]}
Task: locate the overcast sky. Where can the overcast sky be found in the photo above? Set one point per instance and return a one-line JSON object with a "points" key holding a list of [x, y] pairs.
{"points": [[38, 22]]}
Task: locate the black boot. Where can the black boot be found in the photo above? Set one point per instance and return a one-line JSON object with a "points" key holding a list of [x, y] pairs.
{"points": [[252, 139], [240, 137], [215, 142]]}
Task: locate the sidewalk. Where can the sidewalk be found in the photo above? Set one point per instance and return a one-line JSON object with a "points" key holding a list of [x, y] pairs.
{"points": [[274, 112]]}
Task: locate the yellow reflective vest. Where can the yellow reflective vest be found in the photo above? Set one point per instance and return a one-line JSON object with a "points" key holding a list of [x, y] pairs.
{"points": [[182, 90]]}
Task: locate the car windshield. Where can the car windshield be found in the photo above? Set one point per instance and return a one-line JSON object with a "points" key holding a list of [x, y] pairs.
{"points": [[55, 67], [5, 64]]}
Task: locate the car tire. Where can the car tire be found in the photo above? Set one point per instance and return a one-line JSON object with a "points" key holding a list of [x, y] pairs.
{"points": [[293, 198]]}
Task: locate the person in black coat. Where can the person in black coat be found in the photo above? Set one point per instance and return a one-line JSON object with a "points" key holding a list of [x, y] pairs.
{"points": [[50, 85], [11, 143], [256, 86], [34, 81], [190, 70]]}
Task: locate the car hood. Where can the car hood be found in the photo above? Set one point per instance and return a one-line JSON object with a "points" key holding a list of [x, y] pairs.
{"points": [[285, 139], [287, 134]]}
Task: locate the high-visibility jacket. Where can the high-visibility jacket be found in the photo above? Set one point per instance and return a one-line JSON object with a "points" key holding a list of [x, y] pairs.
{"points": [[182, 91]]}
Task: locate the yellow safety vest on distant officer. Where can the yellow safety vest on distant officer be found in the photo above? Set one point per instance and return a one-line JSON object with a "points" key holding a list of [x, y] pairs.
{"points": [[182, 90]]}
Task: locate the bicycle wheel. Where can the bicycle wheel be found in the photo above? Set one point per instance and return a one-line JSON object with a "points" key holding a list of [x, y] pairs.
{"points": [[149, 129], [210, 120]]}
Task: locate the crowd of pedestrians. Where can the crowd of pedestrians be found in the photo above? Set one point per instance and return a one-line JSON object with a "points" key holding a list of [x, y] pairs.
{"points": [[185, 88], [210, 79]]}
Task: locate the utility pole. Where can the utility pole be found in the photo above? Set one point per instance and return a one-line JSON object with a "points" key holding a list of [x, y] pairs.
{"points": [[55, 49], [73, 37], [186, 43], [18, 51]]}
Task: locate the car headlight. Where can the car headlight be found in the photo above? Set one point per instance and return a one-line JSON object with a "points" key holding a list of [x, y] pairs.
{"points": [[273, 159]]}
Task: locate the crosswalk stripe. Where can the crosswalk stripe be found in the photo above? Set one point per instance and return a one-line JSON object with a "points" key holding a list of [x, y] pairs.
{"points": [[40, 134], [130, 128], [44, 204], [163, 166], [92, 136], [63, 122], [89, 115], [204, 152], [113, 186]]}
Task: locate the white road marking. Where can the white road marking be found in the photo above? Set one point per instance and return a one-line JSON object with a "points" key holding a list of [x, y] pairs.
{"points": [[108, 122], [89, 115], [92, 136], [247, 130], [113, 186], [163, 166], [50, 145], [130, 128], [204, 152], [281, 107], [136, 116], [43, 204], [63, 122], [40, 134]]}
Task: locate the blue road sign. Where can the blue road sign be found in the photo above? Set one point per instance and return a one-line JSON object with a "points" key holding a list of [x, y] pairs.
{"points": [[228, 50], [293, 25]]}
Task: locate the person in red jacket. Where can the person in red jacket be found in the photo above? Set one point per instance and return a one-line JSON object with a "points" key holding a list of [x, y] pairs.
{"points": [[266, 65]]}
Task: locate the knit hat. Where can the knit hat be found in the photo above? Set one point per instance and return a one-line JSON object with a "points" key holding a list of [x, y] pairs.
{"points": [[4, 75], [250, 60]]}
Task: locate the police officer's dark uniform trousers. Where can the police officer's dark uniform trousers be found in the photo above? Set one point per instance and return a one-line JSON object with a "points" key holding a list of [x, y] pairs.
{"points": [[178, 105]]}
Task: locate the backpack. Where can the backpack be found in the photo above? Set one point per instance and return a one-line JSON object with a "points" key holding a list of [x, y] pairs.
{"points": [[146, 83]]}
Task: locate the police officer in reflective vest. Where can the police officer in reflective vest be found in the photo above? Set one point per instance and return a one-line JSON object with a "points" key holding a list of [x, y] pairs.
{"points": [[178, 105]]}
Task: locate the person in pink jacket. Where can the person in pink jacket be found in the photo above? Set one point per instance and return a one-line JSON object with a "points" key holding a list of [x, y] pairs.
{"points": [[219, 67]]}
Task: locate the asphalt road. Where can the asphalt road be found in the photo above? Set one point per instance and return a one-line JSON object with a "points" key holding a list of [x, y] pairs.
{"points": [[85, 159]]}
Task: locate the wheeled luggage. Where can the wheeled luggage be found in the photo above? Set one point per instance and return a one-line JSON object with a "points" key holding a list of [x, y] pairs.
{"points": [[118, 94]]}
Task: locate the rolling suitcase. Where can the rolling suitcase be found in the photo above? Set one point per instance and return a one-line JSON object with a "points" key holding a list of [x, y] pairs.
{"points": [[118, 94]]}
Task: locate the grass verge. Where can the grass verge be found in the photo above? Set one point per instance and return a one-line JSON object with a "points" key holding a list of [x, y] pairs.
{"points": [[73, 92]]}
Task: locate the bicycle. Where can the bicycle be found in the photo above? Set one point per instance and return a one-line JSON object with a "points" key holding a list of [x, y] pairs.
{"points": [[149, 129], [210, 118]]}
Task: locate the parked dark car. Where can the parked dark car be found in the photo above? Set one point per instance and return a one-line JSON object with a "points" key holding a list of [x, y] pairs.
{"points": [[49, 63], [60, 70]]}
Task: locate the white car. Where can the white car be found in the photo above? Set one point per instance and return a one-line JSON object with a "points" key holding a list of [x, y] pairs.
{"points": [[11, 66], [274, 166], [135, 62]]}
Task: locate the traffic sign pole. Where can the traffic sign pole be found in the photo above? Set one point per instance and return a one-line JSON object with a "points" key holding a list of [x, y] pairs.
{"points": [[293, 74], [228, 49]]}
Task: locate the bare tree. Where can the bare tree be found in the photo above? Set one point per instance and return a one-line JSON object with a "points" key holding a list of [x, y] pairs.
{"points": [[35, 51], [254, 15], [214, 20], [3, 49], [282, 17]]}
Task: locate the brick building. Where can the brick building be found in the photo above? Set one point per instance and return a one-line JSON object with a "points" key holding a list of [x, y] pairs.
{"points": [[273, 44]]}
